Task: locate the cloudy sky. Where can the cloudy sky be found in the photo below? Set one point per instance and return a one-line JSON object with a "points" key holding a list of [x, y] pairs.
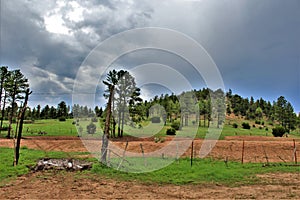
{"points": [[255, 44]]}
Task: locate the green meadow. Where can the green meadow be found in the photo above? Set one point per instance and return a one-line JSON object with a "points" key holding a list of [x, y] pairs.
{"points": [[179, 172]]}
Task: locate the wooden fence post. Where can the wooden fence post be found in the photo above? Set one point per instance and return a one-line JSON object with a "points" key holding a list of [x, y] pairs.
{"points": [[295, 152], [141, 145], [243, 150], [192, 153]]}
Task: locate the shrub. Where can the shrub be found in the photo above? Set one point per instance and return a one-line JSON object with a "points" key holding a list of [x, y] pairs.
{"points": [[245, 125], [271, 123], [234, 125], [267, 129], [62, 119], [257, 122], [4, 128], [176, 125], [91, 128], [262, 123], [278, 131], [156, 139], [260, 128], [155, 119], [253, 125], [171, 131], [94, 119], [80, 130]]}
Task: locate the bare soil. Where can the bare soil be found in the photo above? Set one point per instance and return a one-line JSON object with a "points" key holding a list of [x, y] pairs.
{"points": [[256, 148], [71, 185], [68, 185]]}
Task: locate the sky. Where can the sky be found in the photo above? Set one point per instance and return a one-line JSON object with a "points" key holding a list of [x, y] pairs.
{"points": [[253, 44]]}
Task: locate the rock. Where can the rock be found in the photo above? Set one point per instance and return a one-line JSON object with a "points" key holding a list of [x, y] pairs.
{"points": [[61, 164]]}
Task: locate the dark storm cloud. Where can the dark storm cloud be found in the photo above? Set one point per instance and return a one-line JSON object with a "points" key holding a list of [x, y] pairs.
{"points": [[255, 43], [27, 44]]}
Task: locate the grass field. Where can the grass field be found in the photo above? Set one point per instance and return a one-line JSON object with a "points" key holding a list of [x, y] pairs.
{"points": [[202, 171], [54, 127]]}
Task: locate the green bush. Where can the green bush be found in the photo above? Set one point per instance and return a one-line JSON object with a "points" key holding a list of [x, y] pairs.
{"points": [[235, 125], [94, 119], [246, 125], [257, 122], [91, 128], [155, 120], [176, 125], [278, 131], [4, 128], [271, 123], [171, 131], [62, 119]]}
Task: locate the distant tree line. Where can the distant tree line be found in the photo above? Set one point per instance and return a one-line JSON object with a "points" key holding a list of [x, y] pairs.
{"points": [[62, 110]]}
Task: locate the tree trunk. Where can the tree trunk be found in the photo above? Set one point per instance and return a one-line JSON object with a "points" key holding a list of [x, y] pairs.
{"points": [[199, 118], [186, 119], [122, 124], [123, 118], [119, 123], [11, 117], [105, 136], [113, 117], [181, 119], [3, 112], [17, 151]]}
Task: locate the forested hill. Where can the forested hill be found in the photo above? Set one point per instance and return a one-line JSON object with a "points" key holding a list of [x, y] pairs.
{"points": [[280, 110]]}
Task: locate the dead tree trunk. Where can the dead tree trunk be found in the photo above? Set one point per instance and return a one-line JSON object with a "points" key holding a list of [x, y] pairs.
{"points": [[22, 113], [105, 136]]}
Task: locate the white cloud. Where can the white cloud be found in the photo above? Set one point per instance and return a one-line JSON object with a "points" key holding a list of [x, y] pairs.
{"points": [[55, 24]]}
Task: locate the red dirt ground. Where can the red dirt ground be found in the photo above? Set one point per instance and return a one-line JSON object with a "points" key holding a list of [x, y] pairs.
{"points": [[257, 148], [69, 185]]}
